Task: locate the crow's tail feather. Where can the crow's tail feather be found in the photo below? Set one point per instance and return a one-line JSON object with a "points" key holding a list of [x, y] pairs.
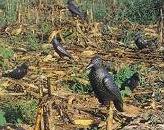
{"points": [[118, 105]]}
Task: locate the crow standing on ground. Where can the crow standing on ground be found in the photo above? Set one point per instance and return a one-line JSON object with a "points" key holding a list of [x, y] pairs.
{"points": [[103, 84], [60, 49], [141, 43], [75, 11], [131, 82], [17, 73]]}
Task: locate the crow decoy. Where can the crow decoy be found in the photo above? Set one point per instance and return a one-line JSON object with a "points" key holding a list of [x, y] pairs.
{"points": [[140, 43], [104, 86], [131, 82], [152, 44], [17, 73], [75, 11], [60, 49]]}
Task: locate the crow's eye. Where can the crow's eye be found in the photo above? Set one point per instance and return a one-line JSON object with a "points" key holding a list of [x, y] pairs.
{"points": [[97, 60]]}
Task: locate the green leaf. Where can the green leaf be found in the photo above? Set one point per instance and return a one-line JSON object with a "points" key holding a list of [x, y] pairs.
{"points": [[6, 53], [126, 92], [2, 118]]}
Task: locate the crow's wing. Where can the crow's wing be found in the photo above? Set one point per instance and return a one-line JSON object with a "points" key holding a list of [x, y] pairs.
{"points": [[74, 9], [64, 51], [16, 73], [125, 83], [110, 85]]}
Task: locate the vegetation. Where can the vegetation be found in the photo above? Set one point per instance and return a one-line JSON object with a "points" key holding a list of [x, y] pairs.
{"points": [[138, 11], [122, 75], [5, 55], [18, 111], [78, 87]]}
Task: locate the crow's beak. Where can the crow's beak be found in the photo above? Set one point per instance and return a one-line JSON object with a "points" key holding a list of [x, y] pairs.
{"points": [[89, 66]]}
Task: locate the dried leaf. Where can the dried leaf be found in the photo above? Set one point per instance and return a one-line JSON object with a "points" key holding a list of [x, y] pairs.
{"points": [[47, 58], [149, 30], [5, 84], [19, 49], [2, 90], [85, 122], [46, 46], [151, 34], [82, 81], [38, 118], [17, 31], [131, 111], [153, 104], [32, 67], [71, 99], [1, 11], [59, 72], [88, 53], [161, 65], [52, 35]]}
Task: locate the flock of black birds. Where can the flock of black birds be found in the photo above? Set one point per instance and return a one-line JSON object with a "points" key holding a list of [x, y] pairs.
{"points": [[102, 82]]}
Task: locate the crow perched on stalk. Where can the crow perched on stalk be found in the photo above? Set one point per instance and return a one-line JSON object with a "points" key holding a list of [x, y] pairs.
{"points": [[61, 51], [103, 84], [17, 73], [75, 11], [104, 87], [131, 82]]}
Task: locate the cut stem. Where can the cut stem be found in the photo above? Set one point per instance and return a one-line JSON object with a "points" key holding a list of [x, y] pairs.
{"points": [[110, 117]]}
